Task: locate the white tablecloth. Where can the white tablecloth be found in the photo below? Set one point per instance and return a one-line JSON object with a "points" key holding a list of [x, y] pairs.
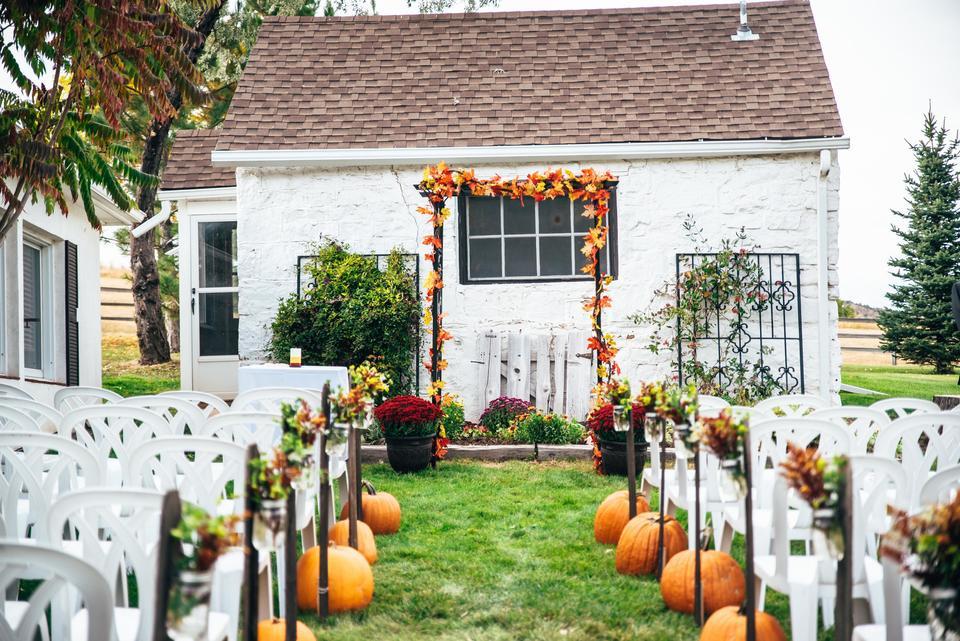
{"points": [[307, 377]]}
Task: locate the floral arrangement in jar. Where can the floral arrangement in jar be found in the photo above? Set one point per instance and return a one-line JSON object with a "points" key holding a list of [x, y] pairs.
{"points": [[301, 429], [650, 397], [819, 482], [271, 477], [407, 416], [204, 538], [723, 436], [678, 404], [354, 406], [927, 547]]}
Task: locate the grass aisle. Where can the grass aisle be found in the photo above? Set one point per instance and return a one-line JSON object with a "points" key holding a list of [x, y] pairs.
{"points": [[504, 551]]}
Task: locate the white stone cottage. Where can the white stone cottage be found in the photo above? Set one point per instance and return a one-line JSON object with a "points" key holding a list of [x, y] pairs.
{"points": [[335, 119], [50, 297]]}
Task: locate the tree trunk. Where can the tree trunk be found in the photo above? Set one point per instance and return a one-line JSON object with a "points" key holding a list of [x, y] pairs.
{"points": [[148, 311]]}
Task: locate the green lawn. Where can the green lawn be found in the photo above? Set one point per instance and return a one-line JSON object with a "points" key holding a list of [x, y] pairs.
{"points": [[917, 382], [123, 374], [505, 551]]}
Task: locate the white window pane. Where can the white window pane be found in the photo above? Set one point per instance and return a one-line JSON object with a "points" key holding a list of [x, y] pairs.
{"points": [[485, 258], [556, 256], [218, 254], [555, 216], [517, 218], [521, 257], [32, 309], [219, 323], [484, 216]]}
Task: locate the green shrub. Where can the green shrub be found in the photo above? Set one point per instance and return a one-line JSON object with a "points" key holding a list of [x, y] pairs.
{"points": [[352, 311], [501, 412], [551, 429], [453, 417]]}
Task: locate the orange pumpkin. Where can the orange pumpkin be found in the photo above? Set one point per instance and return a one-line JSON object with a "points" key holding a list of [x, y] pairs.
{"points": [[721, 577], [351, 579], [380, 510], [275, 629], [613, 514], [637, 547], [366, 544], [728, 624]]}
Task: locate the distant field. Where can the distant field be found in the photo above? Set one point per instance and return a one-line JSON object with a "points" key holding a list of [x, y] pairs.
{"points": [[912, 380]]}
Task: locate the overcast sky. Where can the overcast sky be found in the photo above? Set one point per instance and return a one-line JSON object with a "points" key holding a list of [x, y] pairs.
{"points": [[888, 60]]}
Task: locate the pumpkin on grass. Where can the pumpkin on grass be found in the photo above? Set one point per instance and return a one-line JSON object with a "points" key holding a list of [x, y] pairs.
{"points": [[275, 630], [721, 577], [637, 547], [730, 624], [366, 544], [380, 510], [351, 579], [613, 514]]}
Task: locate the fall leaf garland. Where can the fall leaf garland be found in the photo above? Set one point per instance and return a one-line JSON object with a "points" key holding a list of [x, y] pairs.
{"points": [[440, 182]]}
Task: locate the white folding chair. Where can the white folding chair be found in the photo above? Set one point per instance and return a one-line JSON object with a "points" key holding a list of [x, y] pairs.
{"points": [[60, 573], [792, 404], [181, 415], [36, 469], [863, 422], [923, 443], [752, 413], [209, 404], [46, 416], [71, 398], [117, 531], [14, 420], [244, 428], [112, 431], [12, 391], [900, 407], [269, 399], [893, 629], [940, 487], [711, 405]]}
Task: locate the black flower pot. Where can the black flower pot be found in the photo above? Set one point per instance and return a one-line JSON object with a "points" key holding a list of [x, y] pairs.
{"points": [[614, 456], [409, 453]]}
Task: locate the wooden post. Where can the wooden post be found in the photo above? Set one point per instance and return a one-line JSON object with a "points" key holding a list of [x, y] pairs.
{"points": [[358, 479], [353, 469], [751, 602], [631, 468], [323, 584], [697, 577], [663, 499], [843, 607], [290, 568], [251, 557], [436, 354], [168, 552]]}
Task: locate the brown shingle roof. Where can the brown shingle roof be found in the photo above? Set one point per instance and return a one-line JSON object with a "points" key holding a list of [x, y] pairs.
{"points": [[189, 164], [622, 75]]}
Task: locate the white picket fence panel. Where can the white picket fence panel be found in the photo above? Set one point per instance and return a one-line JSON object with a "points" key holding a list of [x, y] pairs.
{"points": [[555, 372]]}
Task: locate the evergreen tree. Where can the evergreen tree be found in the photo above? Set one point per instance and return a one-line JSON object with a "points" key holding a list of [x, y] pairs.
{"points": [[918, 326]]}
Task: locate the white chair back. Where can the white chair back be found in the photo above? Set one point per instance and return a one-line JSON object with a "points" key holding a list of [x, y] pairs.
{"points": [[46, 416], [62, 573], [863, 422], [112, 431], [36, 469], [71, 398], [203, 470], [899, 407], [752, 413], [14, 420], [117, 531], [12, 391], [792, 404], [877, 483], [269, 399], [209, 404], [923, 443], [181, 415], [711, 405], [244, 428], [940, 487]]}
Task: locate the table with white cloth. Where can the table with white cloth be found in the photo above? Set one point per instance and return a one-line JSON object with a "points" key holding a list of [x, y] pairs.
{"points": [[311, 377]]}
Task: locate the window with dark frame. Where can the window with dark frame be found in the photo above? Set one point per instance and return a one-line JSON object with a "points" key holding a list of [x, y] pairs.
{"points": [[508, 240]]}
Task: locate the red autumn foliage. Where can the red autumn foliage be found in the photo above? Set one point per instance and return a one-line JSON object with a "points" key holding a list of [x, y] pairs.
{"points": [[406, 410]]}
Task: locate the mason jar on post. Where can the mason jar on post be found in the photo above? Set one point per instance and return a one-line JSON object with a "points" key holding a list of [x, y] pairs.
{"points": [[189, 606], [270, 525]]}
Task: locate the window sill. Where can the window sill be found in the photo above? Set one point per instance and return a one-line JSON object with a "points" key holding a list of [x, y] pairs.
{"points": [[44, 381]]}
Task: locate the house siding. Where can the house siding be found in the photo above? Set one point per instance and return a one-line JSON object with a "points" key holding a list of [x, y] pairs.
{"points": [[282, 211]]}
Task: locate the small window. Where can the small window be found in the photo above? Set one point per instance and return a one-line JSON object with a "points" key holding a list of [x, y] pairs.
{"points": [[502, 239], [37, 311]]}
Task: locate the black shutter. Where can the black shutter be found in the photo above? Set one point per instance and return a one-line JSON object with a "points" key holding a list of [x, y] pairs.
{"points": [[72, 301]]}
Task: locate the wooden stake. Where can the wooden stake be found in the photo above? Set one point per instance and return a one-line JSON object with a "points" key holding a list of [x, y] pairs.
{"points": [[358, 479], [168, 552], [843, 607], [631, 469], [751, 602], [697, 577], [290, 568], [663, 500], [353, 469], [251, 557], [323, 584]]}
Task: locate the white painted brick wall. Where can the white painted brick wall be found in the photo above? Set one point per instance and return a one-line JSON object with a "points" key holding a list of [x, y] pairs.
{"points": [[281, 212]]}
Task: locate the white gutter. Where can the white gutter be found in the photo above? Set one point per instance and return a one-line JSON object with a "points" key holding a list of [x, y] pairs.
{"points": [[521, 153], [823, 274], [153, 221], [109, 213], [203, 193]]}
